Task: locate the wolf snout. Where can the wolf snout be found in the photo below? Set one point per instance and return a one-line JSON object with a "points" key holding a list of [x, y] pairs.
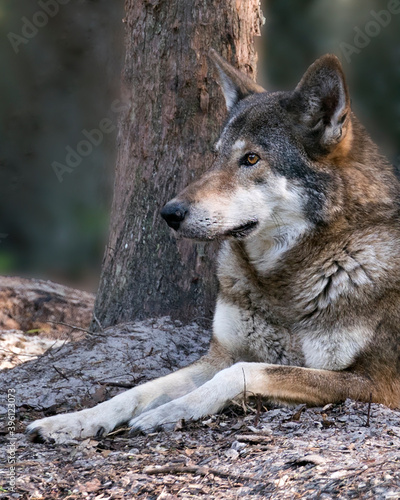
{"points": [[174, 213]]}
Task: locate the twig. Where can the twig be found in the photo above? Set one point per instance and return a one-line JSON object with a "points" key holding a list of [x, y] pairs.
{"points": [[244, 390], [257, 419], [75, 327], [135, 381], [49, 351], [18, 354], [119, 384], [26, 463], [195, 469], [120, 430], [60, 373], [357, 472], [98, 322], [369, 410], [254, 438]]}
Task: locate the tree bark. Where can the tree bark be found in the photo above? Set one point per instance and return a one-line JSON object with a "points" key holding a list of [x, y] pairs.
{"points": [[172, 116]]}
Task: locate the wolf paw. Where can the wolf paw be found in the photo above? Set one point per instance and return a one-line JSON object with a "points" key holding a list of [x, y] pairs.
{"points": [[163, 418], [64, 429]]}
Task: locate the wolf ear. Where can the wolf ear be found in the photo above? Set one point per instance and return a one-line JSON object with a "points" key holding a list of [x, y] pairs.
{"points": [[321, 103], [235, 85]]}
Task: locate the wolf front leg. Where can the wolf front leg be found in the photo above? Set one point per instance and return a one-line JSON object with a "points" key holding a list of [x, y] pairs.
{"points": [[287, 384], [104, 417]]}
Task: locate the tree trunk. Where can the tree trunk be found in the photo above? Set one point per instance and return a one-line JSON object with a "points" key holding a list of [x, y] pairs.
{"points": [[172, 116]]}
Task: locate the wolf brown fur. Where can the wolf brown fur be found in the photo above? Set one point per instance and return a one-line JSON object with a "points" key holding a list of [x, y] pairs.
{"points": [[308, 309]]}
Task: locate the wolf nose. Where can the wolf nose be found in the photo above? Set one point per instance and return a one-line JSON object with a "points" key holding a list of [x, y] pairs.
{"points": [[174, 213]]}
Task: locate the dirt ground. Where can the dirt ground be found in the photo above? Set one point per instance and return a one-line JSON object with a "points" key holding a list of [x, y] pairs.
{"points": [[251, 450], [239, 454]]}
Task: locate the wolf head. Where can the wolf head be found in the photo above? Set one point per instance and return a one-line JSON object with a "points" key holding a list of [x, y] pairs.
{"points": [[272, 171]]}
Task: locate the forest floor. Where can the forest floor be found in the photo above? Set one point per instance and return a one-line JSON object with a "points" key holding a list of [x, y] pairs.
{"points": [[251, 450]]}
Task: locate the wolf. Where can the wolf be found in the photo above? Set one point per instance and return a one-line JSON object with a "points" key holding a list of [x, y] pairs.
{"points": [[308, 309]]}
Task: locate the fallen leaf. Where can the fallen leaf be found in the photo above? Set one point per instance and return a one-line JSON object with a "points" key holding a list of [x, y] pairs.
{"points": [[90, 486]]}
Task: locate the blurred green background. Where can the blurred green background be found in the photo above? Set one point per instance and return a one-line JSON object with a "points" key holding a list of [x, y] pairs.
{"points": [[65, 79]]}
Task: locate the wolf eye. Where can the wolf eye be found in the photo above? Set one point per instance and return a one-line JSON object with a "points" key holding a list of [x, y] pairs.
{"points": [[249, 159]]}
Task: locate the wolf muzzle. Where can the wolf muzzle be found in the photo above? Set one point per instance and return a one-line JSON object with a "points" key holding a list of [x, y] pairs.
{"points": [[174, 212]]}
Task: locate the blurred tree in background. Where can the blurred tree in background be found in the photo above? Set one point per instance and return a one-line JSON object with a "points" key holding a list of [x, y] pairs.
{"points": [[61, 81], [65, 79]]}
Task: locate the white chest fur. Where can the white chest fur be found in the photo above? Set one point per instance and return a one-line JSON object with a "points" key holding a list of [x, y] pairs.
{"points": [[247, 336], [334, 350]]}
